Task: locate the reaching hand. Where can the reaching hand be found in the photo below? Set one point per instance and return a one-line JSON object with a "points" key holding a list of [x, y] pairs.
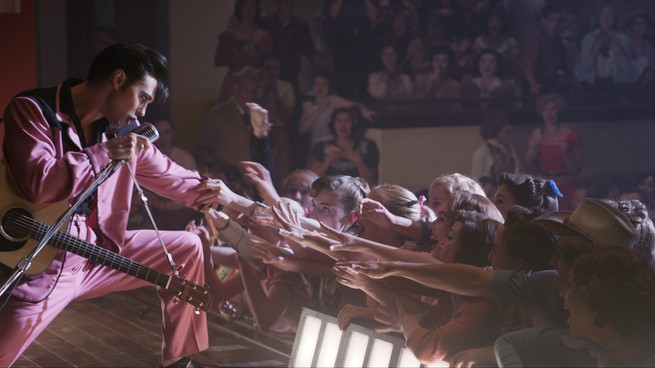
{"points": [[349, 312], [265, 250], [312, 240], [214, 192], [375, 269], [388, 318], [351, 278], [256, 174], [373, 211], [477, 357], [286, 216], [259, 120]]}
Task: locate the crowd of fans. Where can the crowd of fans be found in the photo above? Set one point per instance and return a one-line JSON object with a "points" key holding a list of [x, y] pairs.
{"points": [[516, 265], [462, 278]]}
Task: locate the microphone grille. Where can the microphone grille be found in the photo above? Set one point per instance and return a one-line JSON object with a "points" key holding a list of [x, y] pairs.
{"points": [[147, 130]]}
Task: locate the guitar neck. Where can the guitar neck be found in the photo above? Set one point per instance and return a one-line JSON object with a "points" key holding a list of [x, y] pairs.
{"points": [[97, 254]]}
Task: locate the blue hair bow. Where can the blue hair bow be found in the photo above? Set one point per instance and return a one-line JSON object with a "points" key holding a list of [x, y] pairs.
{"points": [[553, 188]]}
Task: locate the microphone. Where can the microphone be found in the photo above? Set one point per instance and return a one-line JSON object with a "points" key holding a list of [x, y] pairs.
{"points": [[145, 129]]}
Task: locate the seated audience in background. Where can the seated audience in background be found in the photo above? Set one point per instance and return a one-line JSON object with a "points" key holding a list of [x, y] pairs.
{"points": [[396, 28], [555, 151], [640, 28], [488, 88], [349, 152], [496, 155], [609, 298], [526, 191], [390, 83], [438, 82], [316, 113], [432, 34], [497, 38], [606, 55], [243, 43], [544, 60]]}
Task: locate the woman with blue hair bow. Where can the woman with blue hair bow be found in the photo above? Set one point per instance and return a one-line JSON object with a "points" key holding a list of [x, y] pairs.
{"points": [[526, 191]]}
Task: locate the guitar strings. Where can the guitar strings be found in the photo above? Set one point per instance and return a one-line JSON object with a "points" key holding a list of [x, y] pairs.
{"points": [[105, 257], [85, 249]]}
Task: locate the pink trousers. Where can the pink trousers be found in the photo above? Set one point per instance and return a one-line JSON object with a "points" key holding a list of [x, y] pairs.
{"points": [[184, 332]]}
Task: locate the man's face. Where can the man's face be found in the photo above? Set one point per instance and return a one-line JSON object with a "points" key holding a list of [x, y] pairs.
{"points": [[126, 103], [551, 23], [245, 91]]}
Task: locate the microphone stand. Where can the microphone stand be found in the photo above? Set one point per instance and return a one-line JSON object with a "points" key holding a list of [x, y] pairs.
{"points": [[26, 262]]}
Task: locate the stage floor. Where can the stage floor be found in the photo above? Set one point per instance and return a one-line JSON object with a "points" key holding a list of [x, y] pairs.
{"points": [[123, 330]]}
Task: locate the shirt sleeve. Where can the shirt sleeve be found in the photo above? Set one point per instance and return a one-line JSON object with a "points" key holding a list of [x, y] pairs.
{"points": [[539, 346], [35, 156], [473, 325]]}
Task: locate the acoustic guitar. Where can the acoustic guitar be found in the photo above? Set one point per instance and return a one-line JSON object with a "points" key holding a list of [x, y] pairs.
{"points": [[21, 232]]}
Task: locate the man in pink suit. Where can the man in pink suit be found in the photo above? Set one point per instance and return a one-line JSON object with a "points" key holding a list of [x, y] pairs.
{"points": [[56, 143]]}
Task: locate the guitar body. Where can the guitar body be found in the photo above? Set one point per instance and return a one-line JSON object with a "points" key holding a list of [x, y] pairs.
{"points": [[14, 247], [21, 230]]}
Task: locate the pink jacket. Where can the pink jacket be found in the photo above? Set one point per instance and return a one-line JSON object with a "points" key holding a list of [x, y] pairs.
{"points": [[45, 171]]}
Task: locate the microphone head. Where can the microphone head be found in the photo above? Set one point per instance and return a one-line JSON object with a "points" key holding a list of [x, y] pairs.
{"points": [[147, 130]]}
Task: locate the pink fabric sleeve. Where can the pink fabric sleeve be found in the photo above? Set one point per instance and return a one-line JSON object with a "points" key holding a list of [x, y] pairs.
{"points": [[47, 174]]}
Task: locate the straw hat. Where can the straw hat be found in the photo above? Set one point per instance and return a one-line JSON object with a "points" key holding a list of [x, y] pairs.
{"points": [[594, 219]]}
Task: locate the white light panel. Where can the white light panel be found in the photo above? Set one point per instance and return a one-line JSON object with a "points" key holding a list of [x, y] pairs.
{"points": [[356, 350], [330, 346], [407, 359], [310, 330], [380, 354]]}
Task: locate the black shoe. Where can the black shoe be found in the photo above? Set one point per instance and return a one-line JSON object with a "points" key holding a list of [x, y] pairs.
{"points": [[185, 362]]}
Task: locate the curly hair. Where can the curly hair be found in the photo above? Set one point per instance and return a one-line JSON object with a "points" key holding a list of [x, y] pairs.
{"points": [[530, 192], [456, 182], [496, 55], [637, 213], [527, 240], [358, 128], [476, 238], [618, 283]]}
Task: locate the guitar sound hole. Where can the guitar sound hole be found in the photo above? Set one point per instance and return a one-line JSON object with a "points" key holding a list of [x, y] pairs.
{"points": [[13, 226]]}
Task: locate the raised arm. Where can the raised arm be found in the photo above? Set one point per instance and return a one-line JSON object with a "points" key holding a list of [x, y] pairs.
{"points": [[451, 277]]}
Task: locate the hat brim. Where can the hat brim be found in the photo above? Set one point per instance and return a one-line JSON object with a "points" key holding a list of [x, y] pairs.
{"points": [[555, 222]]}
